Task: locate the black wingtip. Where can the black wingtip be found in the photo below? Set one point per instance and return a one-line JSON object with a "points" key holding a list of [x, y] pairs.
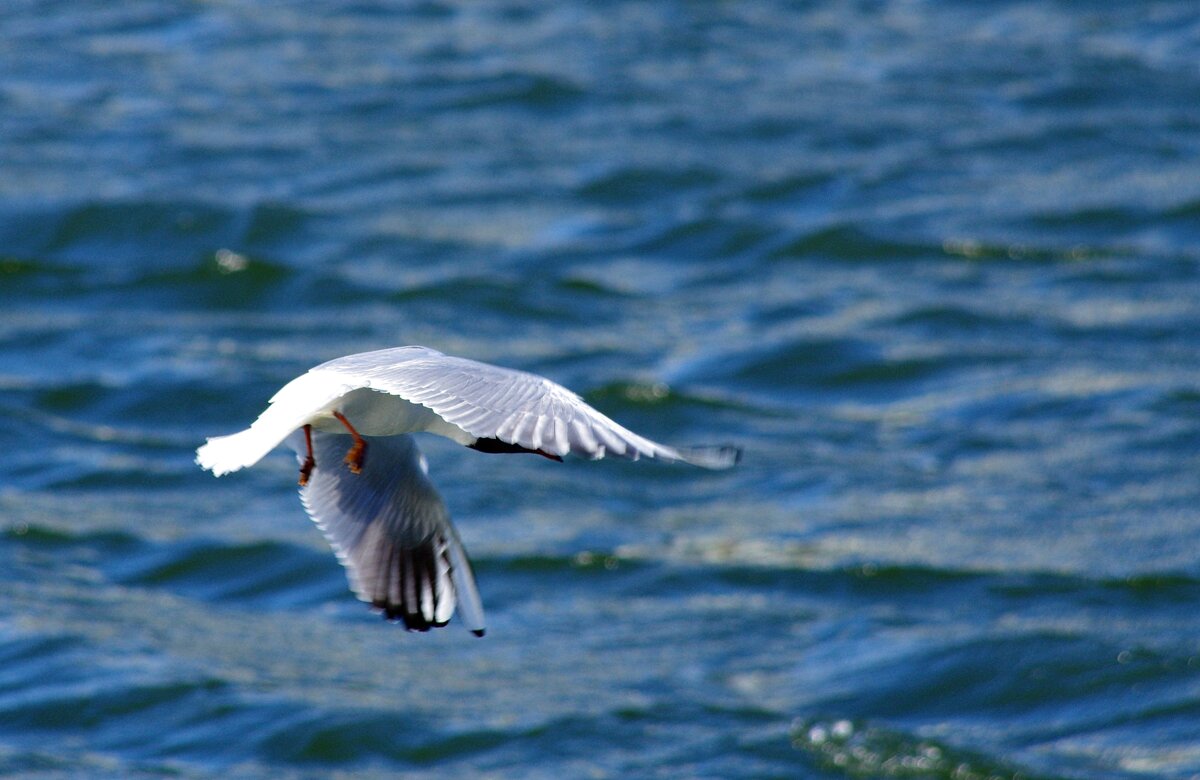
{"points": [[499, 446], [478, 631]]}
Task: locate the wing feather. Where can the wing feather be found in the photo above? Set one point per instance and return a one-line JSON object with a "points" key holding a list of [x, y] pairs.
{"points": [[490, 402], [390, 529]]}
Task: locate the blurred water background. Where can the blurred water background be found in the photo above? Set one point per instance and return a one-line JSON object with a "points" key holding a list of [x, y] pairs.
{"points": [[935, 265]]}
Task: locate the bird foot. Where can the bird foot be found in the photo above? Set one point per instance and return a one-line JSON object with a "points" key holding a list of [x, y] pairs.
{"points": [[306, 470], [357, 453], [309, 464], [356, 456]]}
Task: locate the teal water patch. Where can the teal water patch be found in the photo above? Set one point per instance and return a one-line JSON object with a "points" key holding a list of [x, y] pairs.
{"points": [[932, 266], [255, 576]]}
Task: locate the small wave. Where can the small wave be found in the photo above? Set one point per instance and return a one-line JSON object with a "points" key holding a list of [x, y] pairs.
{"points": [[636, 183], [977, 250], [801, 566], [344, 738], [1105, 219], [272, 224], [712, 237], [584, 561], [850, 243], [246, 274], [578, 285], [267, 575], [46, 537], [98, 231], [24, 657], [153, 240], [262, 572], [12, 268], [535, 91], [823, 364], [1157, 588], [465, 291], [940, 318], [32, 275], [83, 707], [854, 749], [1189, 210], [498, 298], [1033, 679], [653, 395], [787, 188]]}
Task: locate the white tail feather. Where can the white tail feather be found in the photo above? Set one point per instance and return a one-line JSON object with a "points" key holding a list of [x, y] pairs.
{"points": [[224, 454], [295, 404]]}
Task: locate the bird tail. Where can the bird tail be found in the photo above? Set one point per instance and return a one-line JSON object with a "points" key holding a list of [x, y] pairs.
{"points": [[223, 454], [296, 403]]}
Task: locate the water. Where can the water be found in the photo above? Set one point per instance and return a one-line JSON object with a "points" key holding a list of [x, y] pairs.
{"points": [[934, 265]]}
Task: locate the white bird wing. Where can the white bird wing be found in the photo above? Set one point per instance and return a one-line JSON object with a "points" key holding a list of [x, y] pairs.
{"points": [[514, 407], [390, 529]]}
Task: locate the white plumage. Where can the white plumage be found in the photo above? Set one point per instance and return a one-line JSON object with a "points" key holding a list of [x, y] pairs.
{"points": [[386, 522]]}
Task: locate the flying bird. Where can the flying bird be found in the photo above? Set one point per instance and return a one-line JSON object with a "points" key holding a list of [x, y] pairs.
{"points": [[366, 484]]}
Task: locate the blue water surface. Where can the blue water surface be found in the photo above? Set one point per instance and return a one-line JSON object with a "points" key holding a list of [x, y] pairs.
{"points": [[935, 265]]}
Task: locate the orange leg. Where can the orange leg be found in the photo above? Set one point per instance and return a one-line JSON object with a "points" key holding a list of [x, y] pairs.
{"points": [[357, 453], [309, 463]]}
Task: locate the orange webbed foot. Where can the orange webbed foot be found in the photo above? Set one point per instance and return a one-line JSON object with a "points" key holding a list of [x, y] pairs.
{"points": [[357, 454]]}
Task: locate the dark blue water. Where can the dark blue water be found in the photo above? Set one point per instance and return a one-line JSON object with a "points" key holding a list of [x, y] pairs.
{"points": [[935, 265]]}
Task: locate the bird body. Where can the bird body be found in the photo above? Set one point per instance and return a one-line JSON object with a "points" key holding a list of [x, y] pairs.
{"points": [[382, 515]]}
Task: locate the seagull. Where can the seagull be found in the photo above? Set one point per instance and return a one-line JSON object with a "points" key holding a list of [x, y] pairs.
{"points": [[366, 485]]}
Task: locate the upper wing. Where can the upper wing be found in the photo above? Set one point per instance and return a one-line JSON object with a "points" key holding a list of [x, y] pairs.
{"points": [[490, 402], [391, 531]]}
